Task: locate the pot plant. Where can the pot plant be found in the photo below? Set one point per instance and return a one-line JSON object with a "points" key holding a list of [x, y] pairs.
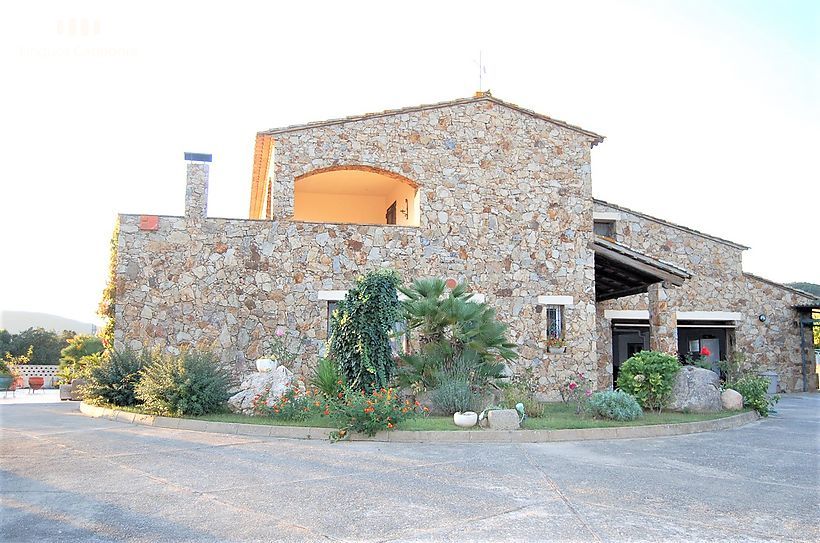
{"points": [[466, 419], [556, 345]]}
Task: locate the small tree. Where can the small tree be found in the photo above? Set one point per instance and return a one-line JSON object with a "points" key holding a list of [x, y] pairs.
{"points": [[82, 352], [456, 335], [360, 330]]}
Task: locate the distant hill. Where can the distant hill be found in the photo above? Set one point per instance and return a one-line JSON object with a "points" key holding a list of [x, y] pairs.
{"points": [[811, 288], [17, 321]]}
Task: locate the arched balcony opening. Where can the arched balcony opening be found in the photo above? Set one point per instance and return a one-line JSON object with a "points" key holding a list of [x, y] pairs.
{"points": [[355, 194]]}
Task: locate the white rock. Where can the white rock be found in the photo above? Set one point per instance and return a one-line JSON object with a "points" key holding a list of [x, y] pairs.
{"points": [[264, 365], [503, 419], [274, 383], [731, 400]]}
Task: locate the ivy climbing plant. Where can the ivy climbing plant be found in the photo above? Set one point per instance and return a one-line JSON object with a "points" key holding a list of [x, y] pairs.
{"points": [[109, 296], [360, 330]]}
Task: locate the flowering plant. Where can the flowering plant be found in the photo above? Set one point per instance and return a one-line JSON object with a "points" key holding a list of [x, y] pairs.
{"points": [[701, 360], [296, 404], [577, 389], [370, 413], [277, 349], [557, 342]]}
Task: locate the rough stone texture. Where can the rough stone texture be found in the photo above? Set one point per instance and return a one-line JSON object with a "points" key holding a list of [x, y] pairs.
{"points": [[506, 205], [196, 192], [516, 190], [274, 383], [662, 321], [718, 283], [696, 390], [731, 400], [502, 419]]}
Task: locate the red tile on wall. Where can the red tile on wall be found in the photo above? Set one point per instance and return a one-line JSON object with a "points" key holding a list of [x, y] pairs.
{"points": [[149, 222]]}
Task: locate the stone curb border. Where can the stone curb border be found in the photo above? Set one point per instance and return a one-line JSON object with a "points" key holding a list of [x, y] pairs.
{"points": [[425, 436]]}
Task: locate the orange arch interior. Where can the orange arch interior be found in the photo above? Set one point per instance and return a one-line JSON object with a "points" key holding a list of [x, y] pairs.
{"points": [[355, 194]]}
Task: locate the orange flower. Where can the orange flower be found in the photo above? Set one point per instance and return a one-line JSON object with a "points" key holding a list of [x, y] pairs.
{"points": [[417, 403], [327, 411], [390, 425]]}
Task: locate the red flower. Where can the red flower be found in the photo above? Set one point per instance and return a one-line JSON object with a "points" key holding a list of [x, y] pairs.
{"points": [[704, 351]]}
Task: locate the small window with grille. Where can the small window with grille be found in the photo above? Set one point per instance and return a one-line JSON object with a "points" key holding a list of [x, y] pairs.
{"points": [[554, 321]]}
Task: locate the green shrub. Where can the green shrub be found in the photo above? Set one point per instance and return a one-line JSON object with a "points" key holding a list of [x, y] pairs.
{"points": [[368, 413], [754, 389], [113, 381], [522, 390], [327, 378], [360, 329], [191, 383], [454, 394], [649, 377], [615, 405]]}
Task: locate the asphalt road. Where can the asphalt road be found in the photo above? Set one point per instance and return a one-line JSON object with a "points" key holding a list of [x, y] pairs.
{"points": [[66, 477]]}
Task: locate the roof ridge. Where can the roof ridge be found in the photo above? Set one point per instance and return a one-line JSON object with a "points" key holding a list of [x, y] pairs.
{"points": [[783, 286], [597, 138], [672, 224]]}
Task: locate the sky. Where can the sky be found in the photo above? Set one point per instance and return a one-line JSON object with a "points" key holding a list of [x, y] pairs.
{"points": [[710, 109]]}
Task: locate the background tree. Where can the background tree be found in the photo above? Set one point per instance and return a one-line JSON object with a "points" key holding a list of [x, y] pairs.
{"points": [[45, 344]]}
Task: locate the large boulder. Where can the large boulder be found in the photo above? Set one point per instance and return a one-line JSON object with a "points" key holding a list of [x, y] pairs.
{"points": [[696, 390], [731, 400], [274, 383]]}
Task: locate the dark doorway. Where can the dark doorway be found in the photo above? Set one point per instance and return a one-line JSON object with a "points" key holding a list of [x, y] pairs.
{"points": [[692, 338], [390, 216], [627, 339]]}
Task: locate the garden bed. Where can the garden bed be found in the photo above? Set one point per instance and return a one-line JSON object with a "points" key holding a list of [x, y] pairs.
{"points": [[559, 424]]}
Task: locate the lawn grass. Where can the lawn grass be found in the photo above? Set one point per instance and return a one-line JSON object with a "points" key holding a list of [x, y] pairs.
{"points": [[557, 416]]}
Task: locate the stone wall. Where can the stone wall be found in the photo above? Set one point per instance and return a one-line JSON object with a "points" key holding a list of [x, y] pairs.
{"points": [[505, 203], [717, 284]]}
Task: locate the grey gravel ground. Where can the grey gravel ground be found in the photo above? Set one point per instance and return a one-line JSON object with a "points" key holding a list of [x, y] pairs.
{"points": [[66, 477]]}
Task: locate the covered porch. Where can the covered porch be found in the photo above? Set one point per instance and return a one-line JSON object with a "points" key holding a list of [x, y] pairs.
{"points": [[620, 272]]}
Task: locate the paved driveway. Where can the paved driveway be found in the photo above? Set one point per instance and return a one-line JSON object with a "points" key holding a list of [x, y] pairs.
{"points": [[66, 477]]}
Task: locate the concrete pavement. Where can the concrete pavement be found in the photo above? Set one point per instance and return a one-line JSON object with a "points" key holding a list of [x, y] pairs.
{"points": [[66, 477]]}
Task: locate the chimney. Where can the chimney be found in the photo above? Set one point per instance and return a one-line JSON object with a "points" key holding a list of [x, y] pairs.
{"points": [[196, 187]]}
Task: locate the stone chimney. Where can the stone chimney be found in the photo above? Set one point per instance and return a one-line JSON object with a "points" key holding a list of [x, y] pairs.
{"points": [[196, 187]]}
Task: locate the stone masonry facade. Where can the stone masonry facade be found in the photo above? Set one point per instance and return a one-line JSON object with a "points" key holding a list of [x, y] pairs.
{"points": [[506, 205], [718, 283]]}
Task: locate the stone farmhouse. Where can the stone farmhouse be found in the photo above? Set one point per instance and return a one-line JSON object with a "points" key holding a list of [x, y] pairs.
{"points": [[476, 190]]}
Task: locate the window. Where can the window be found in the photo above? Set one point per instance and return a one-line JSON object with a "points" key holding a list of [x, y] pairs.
{"points": [[604, 228], [399, 336], [399, 339], [555, 321]]}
